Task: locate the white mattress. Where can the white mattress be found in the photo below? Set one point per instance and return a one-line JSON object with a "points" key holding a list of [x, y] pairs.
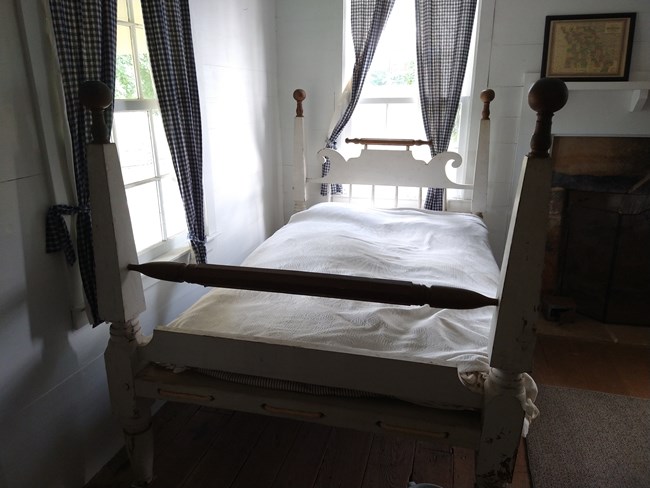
{"points": [[406, 244]]}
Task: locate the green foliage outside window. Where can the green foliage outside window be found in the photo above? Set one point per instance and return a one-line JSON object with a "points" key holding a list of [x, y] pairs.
{"points": [[402, 76], [125, 87]]}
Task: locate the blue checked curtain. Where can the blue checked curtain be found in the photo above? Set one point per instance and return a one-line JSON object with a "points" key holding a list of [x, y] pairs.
{"points": [[85, 40], [443, 35], [169, 37], [368, 20]]}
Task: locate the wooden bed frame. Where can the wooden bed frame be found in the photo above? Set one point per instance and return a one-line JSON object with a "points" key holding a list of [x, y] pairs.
{"points": [[393, 168], [489, 422]]}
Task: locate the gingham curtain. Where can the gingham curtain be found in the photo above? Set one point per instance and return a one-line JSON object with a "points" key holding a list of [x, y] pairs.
{"points": [[169, 37], [368, 19], [85, 40], [443, 34]]}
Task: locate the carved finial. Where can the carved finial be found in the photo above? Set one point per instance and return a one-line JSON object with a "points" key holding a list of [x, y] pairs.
{"points": [[96, 96], [546, 96], [486, 97], [299, 95]]}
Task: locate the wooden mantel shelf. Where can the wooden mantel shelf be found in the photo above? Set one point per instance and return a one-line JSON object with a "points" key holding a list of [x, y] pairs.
{"points": [[638, 90]]}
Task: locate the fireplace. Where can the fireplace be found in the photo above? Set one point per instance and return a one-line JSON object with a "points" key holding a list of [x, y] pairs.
{"points": [[598, 245]]}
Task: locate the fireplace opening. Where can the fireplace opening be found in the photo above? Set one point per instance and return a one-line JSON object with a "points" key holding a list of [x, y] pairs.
{"points": [[606, 256], [598, 245]]}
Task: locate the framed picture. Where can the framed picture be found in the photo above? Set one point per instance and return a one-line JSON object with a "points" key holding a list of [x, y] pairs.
{"points": [[588, 47]]}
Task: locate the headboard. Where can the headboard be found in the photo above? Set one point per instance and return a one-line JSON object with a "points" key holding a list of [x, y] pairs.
{"points": [[392, 167]]}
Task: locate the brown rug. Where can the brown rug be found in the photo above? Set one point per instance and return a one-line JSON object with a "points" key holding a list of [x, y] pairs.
{"points": [[586, 439]]}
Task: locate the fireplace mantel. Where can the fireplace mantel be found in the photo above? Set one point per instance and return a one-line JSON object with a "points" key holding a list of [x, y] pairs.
{"points": [[638, 90]]}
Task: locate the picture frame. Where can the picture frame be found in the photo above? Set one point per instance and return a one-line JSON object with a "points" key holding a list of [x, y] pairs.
{"points": [[594, 47]]}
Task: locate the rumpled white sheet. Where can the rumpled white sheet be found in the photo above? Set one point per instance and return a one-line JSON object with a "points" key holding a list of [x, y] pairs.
{"points": [[405, 244]]}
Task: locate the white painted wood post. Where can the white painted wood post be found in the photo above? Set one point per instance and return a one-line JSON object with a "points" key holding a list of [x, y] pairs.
{"points": [[133, 413], [512, 337], [481, 168], [513, 340], [299, 164], [119, 291]]}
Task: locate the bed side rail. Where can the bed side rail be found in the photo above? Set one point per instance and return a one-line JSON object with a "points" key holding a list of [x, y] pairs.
{"points": [[316, 284], [368, 141]]}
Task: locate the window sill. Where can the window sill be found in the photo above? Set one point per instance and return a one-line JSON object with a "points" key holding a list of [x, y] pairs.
{"points": [[182, 254], [177, 255]]}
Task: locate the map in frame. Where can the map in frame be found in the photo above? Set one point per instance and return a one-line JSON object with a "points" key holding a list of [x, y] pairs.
{"points": [[588, 47]]}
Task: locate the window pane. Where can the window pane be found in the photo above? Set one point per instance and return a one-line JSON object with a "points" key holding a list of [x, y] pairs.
{"points": [[369, 120], [173, 207], [137, 12], [122, 11], [404, 121], [147, 88], [163, 155], [394, 65], [125, 87], [145, 215], [133, 140], [454, 140]]}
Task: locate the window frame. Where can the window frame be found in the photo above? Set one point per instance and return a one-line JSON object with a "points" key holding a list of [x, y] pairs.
{"points": [[398, 95], [171, 246]]}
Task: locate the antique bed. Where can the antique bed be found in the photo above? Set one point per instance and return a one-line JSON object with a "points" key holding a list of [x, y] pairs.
{"points": [[444, 359]]}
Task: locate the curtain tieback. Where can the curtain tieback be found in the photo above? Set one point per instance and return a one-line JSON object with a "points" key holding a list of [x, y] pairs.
{"points": [[196, 239], [57, 234]]}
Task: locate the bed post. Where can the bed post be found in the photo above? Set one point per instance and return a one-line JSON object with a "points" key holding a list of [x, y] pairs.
{"points": [[512, 342], [480, 186], [119, 291], [299, 166]]}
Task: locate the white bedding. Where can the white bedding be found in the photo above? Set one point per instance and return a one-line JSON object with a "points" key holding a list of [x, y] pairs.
{"points": [[405, 244]]}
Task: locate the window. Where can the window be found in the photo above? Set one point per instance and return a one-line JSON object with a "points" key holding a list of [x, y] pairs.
{"points": [[389, 107], [157, 213]]}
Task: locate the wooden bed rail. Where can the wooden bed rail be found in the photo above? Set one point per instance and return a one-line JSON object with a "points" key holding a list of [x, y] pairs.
{"points": [[388, 142], [315, 284]]}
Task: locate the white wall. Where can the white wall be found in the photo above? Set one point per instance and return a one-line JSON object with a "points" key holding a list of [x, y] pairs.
{"points": [[310, 47], [55, 425], [56, 428], [236, 57], [516, 49]]}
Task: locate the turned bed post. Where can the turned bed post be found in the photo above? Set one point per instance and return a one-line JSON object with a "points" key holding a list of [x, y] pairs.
{"points": [[480, 186], [512, 341], [119, 291], [299, 165]]}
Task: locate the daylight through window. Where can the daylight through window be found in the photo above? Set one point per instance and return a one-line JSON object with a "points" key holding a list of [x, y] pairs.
{"points": [[151, 187], [389, 107]]}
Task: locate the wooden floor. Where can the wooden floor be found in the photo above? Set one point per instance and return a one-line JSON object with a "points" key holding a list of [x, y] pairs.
{"points": [[198, 447]]}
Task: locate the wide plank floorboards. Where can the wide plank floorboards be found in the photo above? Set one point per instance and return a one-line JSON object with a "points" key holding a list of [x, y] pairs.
{"points": [[201, 446]]}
